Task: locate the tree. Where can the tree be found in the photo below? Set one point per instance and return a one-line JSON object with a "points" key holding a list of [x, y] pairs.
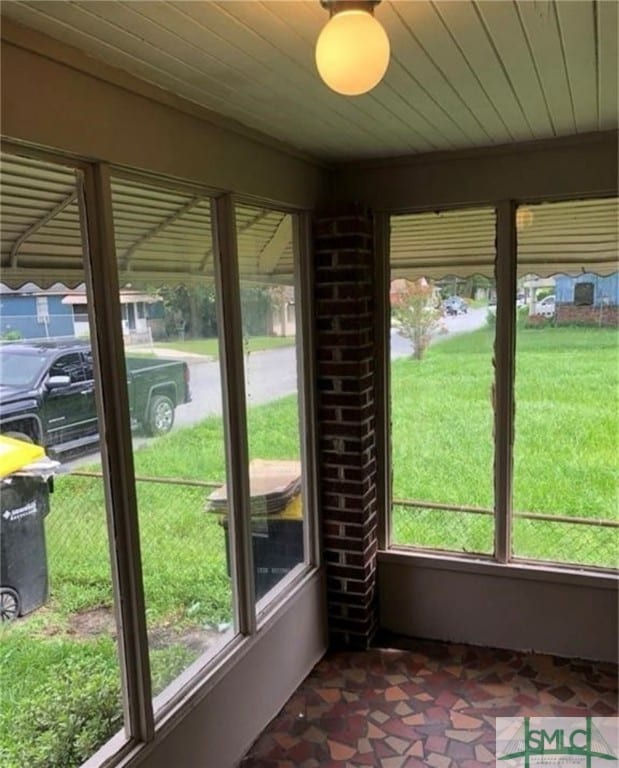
{"points": [[190, 309], [414, 308], [281, 296]]}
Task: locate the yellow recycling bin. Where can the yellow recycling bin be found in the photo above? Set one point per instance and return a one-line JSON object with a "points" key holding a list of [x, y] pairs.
{"points": [[16, 454]]}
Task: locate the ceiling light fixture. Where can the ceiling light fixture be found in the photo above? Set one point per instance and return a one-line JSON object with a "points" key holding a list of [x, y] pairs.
{"points": [[524, 218], [352, 51]]}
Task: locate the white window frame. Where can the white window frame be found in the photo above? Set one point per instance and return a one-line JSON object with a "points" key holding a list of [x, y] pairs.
{"points": [[42, 310], [504, 408], [141, 722]]}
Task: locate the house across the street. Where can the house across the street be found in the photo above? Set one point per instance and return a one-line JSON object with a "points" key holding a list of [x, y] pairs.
{"points": [[588, 299], [30, 312]]}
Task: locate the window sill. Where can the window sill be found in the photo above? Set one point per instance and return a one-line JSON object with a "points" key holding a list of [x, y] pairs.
{"points": [[520, 569]]}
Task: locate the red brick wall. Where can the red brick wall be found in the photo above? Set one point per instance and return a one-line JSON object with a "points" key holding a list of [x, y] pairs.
{"points": [[589, 315], [343, 246]]}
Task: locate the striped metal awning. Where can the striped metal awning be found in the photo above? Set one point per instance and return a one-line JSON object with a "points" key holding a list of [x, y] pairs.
{"points": [[553, 238], [165, 235], [569, 237], [41, 239], [162, 235], [436, 245], [126, 297]]}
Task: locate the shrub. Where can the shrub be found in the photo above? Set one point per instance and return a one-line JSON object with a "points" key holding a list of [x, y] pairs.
{"points": [[13, 335], [543, 292], [522, 316], [415, 314], [74, 712], [168, 663]]}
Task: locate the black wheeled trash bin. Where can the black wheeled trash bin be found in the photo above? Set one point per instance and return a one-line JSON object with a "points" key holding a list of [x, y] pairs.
{"points": [[277, 546], [276, 520], [24, 504]]}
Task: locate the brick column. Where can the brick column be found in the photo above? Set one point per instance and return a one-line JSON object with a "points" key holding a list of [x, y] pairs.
{"points": [[343, 246]]}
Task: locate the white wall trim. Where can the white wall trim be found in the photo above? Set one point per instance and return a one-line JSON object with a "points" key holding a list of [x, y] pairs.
{"points": [[520, 606], [43, 100], [580, 140], [38, 42], [562, 168], [513, 570]]}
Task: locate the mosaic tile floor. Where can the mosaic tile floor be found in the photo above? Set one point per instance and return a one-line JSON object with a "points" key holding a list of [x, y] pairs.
{"points": [[423, 704]]}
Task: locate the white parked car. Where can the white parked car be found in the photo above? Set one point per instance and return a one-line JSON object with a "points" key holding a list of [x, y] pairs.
{"points": [[546, 307]]}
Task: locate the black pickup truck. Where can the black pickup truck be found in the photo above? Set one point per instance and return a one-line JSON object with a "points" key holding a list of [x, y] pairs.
{"points": [[47, 393]]}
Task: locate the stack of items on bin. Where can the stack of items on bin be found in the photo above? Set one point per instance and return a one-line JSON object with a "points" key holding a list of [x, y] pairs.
{"points": [[26, 477], [276, 519]]}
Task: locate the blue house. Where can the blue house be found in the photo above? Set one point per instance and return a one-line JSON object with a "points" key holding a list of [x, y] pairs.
{"points": [[589, 298], [30, 313], [596, 290]]}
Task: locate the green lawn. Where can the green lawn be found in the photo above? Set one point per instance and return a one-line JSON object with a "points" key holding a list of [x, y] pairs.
{"points": [[183, 544], [60, 684], [566, 439], [210, 347]]}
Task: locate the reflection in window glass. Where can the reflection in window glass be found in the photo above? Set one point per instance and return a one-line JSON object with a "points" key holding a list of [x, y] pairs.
{"points": [[267, 273], [443, 309], [59, 667], [567, 355], [165, 261]]}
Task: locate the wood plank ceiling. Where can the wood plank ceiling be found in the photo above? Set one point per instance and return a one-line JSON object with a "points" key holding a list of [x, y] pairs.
{"points": [[463, 73]]}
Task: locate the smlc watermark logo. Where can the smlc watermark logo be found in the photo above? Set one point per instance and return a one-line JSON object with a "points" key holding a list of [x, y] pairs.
{"points": [[569, 742]]}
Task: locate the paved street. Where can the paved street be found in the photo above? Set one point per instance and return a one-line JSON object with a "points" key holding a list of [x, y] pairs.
{"points": [[268, 376], [272, 374]]}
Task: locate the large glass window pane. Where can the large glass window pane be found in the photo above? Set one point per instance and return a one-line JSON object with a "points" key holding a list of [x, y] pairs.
{"points": [[443, 309], [168, 312], [567, 355], [59, 675], [267, 267]]}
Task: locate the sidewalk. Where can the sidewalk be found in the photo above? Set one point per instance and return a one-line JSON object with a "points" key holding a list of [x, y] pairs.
{"points": [[171, 354]]}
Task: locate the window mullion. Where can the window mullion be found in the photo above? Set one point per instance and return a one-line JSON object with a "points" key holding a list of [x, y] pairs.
{"points": [[383, 363], [117, 452], [505, 349], [306, 376], [235, 418]]}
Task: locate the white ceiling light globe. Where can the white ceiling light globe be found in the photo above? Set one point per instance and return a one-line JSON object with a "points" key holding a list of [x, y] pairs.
{"points": [[352, 52], [524, 218]]}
